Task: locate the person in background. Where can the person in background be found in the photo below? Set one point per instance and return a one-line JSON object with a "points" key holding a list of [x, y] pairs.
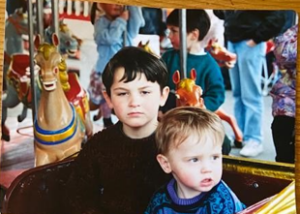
{"points": [[189, 142], [209, 76], [116, 172], [246, 32], [154, 22], [284, 94], [109, 31], [208, 73]]}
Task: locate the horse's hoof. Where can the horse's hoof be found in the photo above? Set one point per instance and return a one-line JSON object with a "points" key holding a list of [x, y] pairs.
{"points": [[5, 133], [238, 144], [5, 137], [20, 119]]}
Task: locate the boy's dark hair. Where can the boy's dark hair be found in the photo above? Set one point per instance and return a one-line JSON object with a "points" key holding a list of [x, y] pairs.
{"points": [[135, 60], [195, 19]]}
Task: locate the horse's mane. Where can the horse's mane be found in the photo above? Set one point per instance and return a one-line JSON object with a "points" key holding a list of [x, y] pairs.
{"points": [[46, 49], [186, 84]]}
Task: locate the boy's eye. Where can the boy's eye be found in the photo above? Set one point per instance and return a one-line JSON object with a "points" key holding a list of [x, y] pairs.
{"points": [[121, 94], [193, 160]]}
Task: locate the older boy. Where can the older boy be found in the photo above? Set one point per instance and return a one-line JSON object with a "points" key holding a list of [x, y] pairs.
{"points": [[209, 75], [116, 172], [189, 141]]}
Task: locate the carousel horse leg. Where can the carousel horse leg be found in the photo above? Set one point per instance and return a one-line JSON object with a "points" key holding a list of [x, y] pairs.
{"points": [[4, 129], [11, 100], [5, 135], [232, 122], [23, 114]]}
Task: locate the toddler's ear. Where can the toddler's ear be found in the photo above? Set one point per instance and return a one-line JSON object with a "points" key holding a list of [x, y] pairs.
{"points": [[164, 163]]}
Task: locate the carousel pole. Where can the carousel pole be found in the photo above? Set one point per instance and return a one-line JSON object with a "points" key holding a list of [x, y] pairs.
{"points": [[55, 24], [31, 53], [39, 14], [125, 32], [183, 48]]}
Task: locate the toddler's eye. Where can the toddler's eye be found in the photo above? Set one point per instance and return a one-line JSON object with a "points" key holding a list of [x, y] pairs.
{"points": [[145, 92], [216, 157], [193, 160]]}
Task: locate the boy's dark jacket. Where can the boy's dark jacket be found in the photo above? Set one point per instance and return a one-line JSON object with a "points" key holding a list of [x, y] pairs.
{"points": [[257, 25]]}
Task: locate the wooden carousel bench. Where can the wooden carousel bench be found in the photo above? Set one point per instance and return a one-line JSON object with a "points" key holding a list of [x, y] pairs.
{"points": [[38, 190]]}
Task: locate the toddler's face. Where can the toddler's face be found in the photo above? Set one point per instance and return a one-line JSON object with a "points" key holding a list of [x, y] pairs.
{"points": [[196, 166], [112, 10]]}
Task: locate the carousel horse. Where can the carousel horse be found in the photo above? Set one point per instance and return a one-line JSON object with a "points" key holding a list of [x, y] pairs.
{"points": [[223, 57], [69, 43], [16, 25], [189, 94], [59, 130], [17, 89]]}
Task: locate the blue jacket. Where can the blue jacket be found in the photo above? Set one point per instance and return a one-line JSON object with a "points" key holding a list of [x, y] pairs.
{"points": [[108, 35], [219, 200]]}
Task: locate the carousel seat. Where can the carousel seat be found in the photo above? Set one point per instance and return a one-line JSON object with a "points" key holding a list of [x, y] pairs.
{"points": [[38, 190]]}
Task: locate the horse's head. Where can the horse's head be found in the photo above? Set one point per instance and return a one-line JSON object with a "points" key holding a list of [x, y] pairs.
{"points": [[187, 92], [68, 44], [223, 57], [48, 59], [19, 21]]}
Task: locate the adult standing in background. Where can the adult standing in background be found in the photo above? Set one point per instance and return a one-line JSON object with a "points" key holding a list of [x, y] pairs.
{"points": [[284, 94], [246, 32]]}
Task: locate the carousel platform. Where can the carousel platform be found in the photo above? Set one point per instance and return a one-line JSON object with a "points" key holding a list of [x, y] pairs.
{"points": [[17, 155]]}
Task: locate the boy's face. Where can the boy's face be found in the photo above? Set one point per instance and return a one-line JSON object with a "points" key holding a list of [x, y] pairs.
{"points": [[174, 36], [136, 103], [196, 166]]}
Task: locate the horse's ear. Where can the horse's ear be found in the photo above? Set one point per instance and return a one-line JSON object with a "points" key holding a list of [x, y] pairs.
{"points": [[193, 74], [140, 44], [55, 40], [210, 43], [37, 41], [176, 77], [147, 43]]}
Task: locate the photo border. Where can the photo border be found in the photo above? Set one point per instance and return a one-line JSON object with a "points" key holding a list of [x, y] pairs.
{"points": [[203, 4]]}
